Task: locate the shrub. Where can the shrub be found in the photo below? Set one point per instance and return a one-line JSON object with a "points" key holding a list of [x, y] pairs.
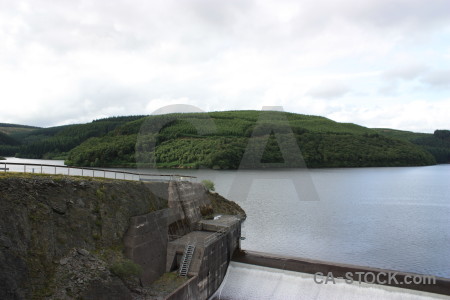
{"points": [[209, 185], [126, 269]]}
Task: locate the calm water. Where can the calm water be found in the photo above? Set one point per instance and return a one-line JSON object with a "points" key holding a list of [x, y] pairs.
{"points": [[394, 218]]}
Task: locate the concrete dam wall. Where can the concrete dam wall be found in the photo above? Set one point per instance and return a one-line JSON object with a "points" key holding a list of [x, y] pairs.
{"points": [[77, 238]]}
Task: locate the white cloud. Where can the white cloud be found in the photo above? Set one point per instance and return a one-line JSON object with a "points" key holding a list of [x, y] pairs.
{"points": [[418, 116], [74, 61]]}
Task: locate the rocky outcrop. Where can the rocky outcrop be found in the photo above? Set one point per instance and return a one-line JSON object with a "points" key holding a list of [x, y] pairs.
{"points": [[52, 226]]}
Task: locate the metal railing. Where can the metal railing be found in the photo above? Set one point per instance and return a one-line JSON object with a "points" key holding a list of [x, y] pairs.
{"points": [[215, 235], [88, 172]]}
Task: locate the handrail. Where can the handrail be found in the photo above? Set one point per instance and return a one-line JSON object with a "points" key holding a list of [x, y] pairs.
{"points": [[82, 169], [215, 235]]}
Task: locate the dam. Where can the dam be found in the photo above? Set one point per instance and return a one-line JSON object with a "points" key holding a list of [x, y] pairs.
{"points": [[166, 228]]}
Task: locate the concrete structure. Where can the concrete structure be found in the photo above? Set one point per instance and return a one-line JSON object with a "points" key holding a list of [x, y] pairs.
{"points": [[244, 281], [146, 243], [157, 241], [215, 242], [309, 266]]}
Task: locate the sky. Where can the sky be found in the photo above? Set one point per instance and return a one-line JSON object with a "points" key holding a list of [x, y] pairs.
{"points": [[377, 63]]}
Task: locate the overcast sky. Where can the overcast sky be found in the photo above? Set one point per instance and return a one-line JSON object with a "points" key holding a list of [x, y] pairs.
{"points": [[377, 63]]}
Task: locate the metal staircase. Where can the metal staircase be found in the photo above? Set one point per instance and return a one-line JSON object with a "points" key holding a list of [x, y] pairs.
{"points": [[186, 259]]}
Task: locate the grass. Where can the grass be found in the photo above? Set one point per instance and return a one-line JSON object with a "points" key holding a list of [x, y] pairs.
{"points": [[208, 184], [166, 284], [125, 269]]}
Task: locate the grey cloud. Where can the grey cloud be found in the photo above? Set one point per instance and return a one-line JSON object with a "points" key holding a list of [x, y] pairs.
{"points": [[393, 78], [201, 49], [406, 72], [438, 78], [329, 91], [416, 13], [403, 18]]}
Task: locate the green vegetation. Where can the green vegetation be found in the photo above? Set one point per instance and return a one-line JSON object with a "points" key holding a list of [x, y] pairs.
{"points": [[438, 144], [8, 145], [209, 185], [229, 140], [2, 158], [223, 206], [166, 284], [56, 142], [15, 128], [219, 140], [125, 269]]}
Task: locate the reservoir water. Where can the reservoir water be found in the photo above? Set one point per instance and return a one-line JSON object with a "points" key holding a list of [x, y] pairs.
{"points": [[393, 218]]}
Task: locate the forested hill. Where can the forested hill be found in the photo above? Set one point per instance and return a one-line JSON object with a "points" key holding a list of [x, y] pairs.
{"points": [[56, 142], [438, 144], [13, 128], [225, 140]]}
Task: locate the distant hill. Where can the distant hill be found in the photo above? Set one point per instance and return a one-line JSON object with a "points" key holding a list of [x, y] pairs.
{"points": [[14, 128], [55, 142], [222, 139], [438, 144]]}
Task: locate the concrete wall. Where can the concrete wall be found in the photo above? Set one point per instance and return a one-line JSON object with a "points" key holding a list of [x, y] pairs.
{"points": [[147, 235], [186, 198], [210, 260], [146, 243], [187, 291]]}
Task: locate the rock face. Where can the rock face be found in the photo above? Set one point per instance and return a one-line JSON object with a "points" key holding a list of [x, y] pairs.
{"points": [[57, 234]]}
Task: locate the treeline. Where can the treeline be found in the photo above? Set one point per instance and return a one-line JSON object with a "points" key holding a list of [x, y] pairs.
{"points": [[17, 126]]}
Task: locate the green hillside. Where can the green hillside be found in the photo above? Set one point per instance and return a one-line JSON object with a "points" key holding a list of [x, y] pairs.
{"points": [[227, 140], [438, 144], [220, 139], [15, 128], [55, 142], [8, 145]]}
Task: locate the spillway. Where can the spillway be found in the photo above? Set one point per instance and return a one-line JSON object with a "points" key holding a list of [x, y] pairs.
{"points": [[245, 282]]}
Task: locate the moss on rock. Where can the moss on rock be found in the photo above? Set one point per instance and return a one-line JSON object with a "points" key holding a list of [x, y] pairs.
{"points": [[43, 218]]}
